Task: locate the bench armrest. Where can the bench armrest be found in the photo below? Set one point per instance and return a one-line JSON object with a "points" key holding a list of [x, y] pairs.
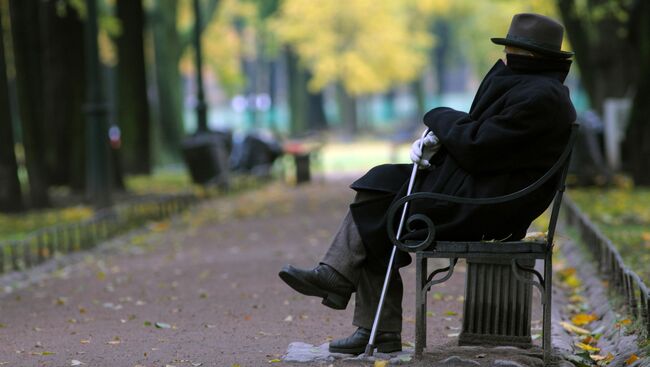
{"points": [[562, 163]]}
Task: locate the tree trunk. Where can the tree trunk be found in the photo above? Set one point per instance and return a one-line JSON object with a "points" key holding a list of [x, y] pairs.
{"points": [[388, 102], [317, 119], [636, 148], [26, 23], [316, 107], [132, 103], [10, 195], [441, 54], [347, 110], [604, 57], [167, 55], [64, 86], [420, 98], [298, 101]]}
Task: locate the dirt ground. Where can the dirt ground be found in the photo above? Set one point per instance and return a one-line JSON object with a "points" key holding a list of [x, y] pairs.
{"points": [[201, 290]]}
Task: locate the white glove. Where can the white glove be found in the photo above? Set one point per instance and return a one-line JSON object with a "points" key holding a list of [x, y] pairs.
{"points": [[423, 150]]}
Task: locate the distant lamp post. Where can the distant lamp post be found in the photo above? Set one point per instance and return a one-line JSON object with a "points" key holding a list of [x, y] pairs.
{"points": [[201, 106], [98, 183]]}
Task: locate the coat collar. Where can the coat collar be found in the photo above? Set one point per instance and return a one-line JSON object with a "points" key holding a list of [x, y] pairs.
{"points": [[555, 68]]}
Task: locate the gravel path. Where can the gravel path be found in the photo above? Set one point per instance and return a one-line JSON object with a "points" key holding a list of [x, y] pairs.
{"points": [[203, 290]]}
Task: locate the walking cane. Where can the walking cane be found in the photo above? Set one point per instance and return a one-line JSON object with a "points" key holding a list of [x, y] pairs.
{"points": [[370, 348]]}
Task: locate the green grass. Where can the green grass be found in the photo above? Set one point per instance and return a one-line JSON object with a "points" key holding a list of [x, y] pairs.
{"points": [[623, 215], [16, 226], [166, 181], [359, 156]]}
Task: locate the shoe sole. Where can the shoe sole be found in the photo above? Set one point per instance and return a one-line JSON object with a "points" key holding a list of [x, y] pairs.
{"points": [[388, 347], [331, 300]]}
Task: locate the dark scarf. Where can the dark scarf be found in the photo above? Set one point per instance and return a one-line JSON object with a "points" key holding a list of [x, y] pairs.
{"points": [[534, 65]]}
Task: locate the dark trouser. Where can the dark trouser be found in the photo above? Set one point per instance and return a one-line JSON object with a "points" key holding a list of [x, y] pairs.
{"points": [[347, 255]]}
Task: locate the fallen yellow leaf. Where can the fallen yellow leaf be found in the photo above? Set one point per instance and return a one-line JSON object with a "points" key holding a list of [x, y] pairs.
{"points": [[625, 322], [587, 347], [605, 359], [583, 319], [572, 281], [577, 299], [574, 329], [589, 340], [274, 360], [381, 363], [567, 272], [160, 226], [645, 236], [633, 358]]}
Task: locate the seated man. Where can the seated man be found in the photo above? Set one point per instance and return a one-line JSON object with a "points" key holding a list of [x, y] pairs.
{"points": [[517, 127]]}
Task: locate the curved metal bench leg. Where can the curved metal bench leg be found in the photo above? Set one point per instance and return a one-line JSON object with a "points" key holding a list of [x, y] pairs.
{"points": [[547, 304], [450, 271], [420, 304], [423, 284]]}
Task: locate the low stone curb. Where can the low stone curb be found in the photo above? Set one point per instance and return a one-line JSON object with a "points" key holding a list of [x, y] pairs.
{"points": [[613, 340]]}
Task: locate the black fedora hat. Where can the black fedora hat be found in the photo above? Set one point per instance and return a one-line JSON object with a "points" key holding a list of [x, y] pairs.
{"points": [[537, 33]]}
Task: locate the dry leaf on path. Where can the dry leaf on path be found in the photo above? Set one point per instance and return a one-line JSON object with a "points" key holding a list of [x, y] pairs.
{"points": [[587, 347], [381, 364], [583, 319], [574, 329], [633, 358], [606, 359]]}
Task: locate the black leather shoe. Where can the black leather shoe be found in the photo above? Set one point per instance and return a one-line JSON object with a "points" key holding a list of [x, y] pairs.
{"points": [[322, 281], [385, 342]]}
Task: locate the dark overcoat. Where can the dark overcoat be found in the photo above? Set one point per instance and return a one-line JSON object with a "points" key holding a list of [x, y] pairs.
{"points": [[516, 129]]}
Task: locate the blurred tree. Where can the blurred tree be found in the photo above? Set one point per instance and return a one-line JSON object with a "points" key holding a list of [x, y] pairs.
{"points": [[171, 41], [168, 79], [26, 23], [362, 47], [98, 165], [597, 30], [132, 102], [316, 106], [440, 54], [222, 44], [10, 193], [306, 106], [63, 65], [636, 148], [463, 28], [612, 44], [298, 96]]}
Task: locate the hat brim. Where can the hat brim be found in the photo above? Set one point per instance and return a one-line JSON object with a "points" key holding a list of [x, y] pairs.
{"points": [[534, 48]]}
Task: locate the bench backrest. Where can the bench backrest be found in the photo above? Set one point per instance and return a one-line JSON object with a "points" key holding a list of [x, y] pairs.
{"points": [[561, 165]]}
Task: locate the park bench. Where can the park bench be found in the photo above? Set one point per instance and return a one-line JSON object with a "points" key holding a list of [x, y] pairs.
{"points": [[500, 274], [304, 153]]}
